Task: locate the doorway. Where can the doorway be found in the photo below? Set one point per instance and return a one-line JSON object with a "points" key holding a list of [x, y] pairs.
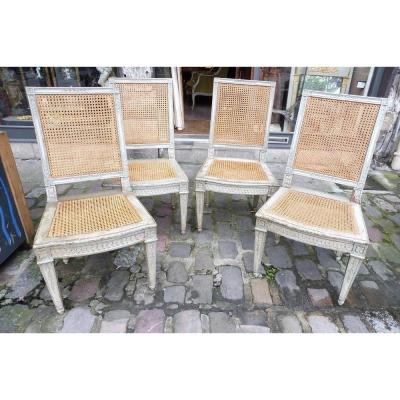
{"points": [[197, 85]]}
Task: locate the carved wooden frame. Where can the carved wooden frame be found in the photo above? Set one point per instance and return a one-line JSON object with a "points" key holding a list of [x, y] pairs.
{"points": [[356, 185], [48, 249], [205, 184], [179, 184], [341, 243]]}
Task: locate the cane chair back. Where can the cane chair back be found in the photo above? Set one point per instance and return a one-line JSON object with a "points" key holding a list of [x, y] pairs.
{"points": [[335, 137], [147, 110], [80, 134], [334, 140], [241, 113]]}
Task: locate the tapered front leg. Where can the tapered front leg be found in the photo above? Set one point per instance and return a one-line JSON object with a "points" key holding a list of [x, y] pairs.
{"points": [[259, 246], [207, 198], [183, 205], [151, 262], [50, 277], [173, 200], [339, 255], [199, 209], [351, 271], [256, 199]]}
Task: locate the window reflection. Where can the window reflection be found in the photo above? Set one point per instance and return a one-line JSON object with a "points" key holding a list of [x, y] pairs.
{"points": [[330, 84], [13, 80]]}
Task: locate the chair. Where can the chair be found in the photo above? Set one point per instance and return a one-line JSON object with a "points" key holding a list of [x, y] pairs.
{"points": [[240, 118], [201, 83], [80, 136], [195, 75], [334, 141], [147, 110]]}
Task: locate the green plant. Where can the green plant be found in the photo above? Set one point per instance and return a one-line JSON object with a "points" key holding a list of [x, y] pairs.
{"points": [[270, 272]]}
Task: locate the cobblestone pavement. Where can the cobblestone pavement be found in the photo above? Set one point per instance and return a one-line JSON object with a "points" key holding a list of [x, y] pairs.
{"points": [[205, 282]]}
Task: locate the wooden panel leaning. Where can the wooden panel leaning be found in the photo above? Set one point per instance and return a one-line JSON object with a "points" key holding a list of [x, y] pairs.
{"points": [[147, 109], [15, 221], [334, 140], [240, 121], [81, 138]]}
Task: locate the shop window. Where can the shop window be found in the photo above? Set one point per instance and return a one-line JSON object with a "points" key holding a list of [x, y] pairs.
{"points": [[330, 84], [13, 80], [13, 101], [280, 75]]}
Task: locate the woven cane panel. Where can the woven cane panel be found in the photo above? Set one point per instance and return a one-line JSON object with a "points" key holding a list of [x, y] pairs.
{"points": [[80, 133], [334, 137], [145, 112], [241, 114], [96, 214], [312, 210], [151, 170], [237, 170]]}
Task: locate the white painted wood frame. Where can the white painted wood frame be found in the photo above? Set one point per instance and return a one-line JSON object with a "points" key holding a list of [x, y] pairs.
{"points": [[204, 183], [355, 245], [178, 184], [48, 249]]}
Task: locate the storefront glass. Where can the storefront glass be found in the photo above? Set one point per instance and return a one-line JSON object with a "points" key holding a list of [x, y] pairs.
{"points": [[13, 80], [330, 84]]}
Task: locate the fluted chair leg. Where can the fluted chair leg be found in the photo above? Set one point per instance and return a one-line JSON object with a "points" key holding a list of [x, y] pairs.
{"points": [[339, 255], [259, 246], [199, 209], [50, 277], [207, 198], [173, 200], [256, 199], [151, 251], [351, 271], [183, 205]]}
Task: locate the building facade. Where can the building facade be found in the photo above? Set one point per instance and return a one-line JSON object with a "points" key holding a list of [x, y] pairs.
{"points": [[290, 83]]}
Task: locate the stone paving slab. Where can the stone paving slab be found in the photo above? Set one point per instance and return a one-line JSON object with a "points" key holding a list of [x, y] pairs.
{"points": [[289, 323], [174, 294], [202, 289], [78, 320], [150, 321], [187, 321], [205, 281]]}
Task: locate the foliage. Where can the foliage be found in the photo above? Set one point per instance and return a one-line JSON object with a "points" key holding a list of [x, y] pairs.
{"points": [[270, 272]]}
